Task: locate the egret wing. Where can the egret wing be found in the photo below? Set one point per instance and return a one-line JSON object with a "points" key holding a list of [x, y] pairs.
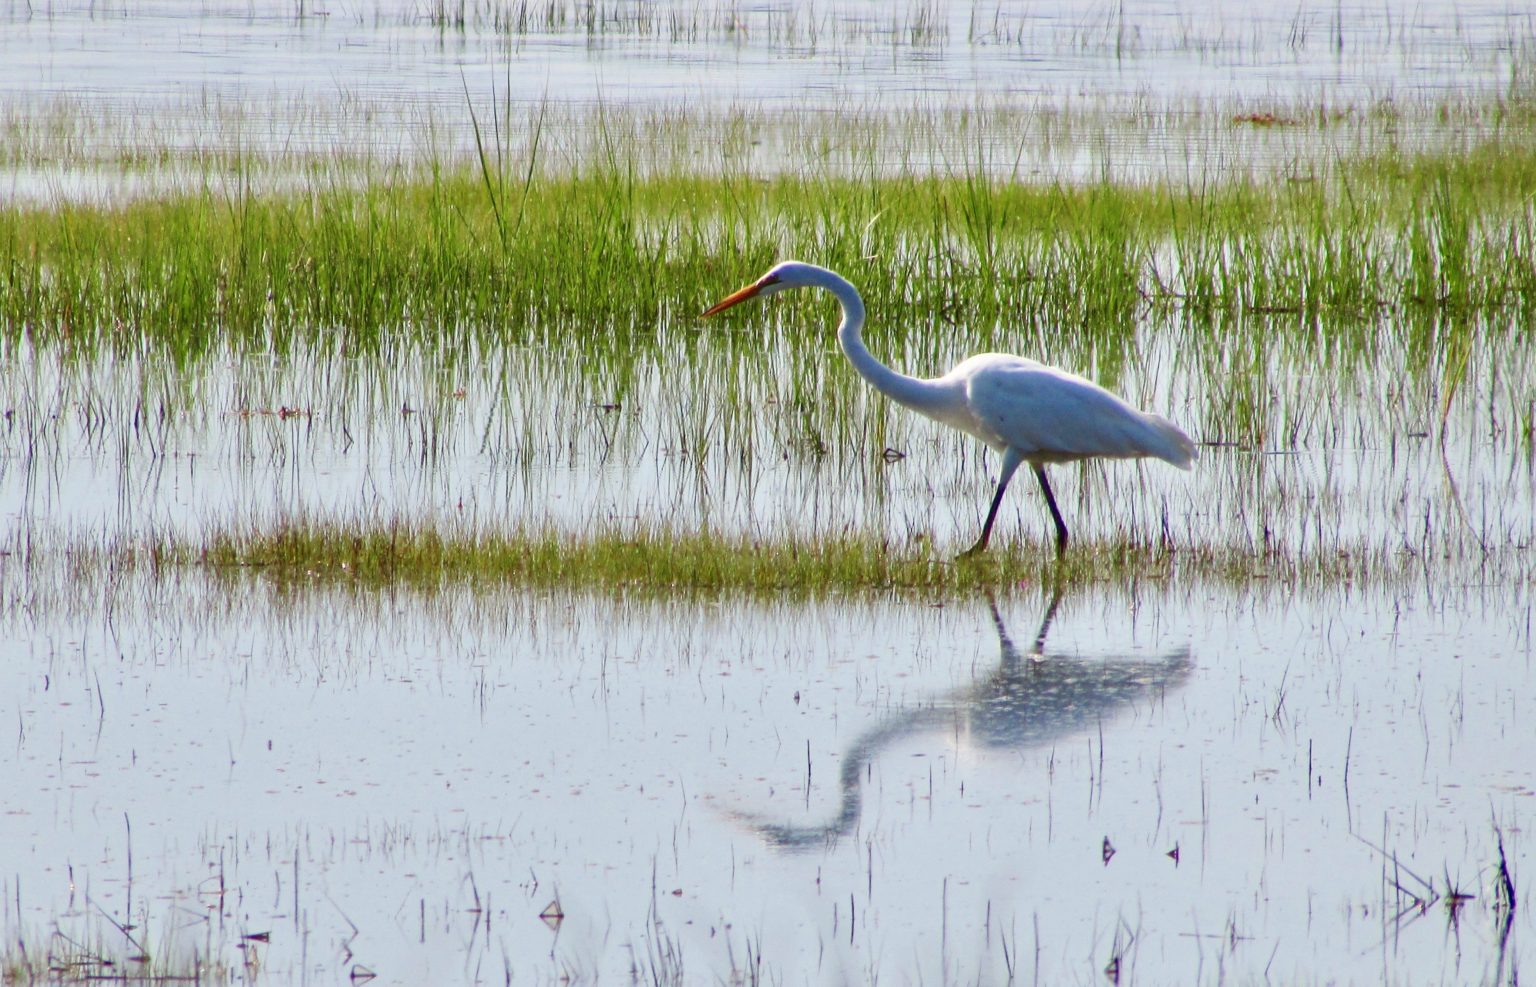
{"points": [[1050, 415]]}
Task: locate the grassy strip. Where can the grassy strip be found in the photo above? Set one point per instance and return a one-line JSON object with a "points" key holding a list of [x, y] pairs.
{"points": [[658, 561], [500, 251], [661, 562]]}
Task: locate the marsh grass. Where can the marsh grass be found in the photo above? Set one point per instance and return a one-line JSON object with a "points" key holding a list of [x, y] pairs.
{"points": [[108, 953], [605, 255], [506, 314], [649, 562]]}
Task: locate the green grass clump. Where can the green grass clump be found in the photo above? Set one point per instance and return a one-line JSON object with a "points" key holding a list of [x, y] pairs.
{"points": [[659, 562], [604, 252], [646, 561]]}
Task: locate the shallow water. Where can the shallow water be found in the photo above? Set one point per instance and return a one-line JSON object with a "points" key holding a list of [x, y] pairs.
{"points": [[1305, 454], [1155, 87], [784, 52], [839, 791]]}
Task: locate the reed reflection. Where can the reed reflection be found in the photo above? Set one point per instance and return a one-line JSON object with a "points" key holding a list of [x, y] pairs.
{"points": [[1033, 699]]}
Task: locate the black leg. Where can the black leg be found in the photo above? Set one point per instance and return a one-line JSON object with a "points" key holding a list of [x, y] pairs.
{"points": [[986, 529], [1050, 501], [1012, 458]]}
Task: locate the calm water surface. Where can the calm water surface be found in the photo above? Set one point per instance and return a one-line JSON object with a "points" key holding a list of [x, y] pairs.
{"points": [[841, 792], [390, 78], [788, 53]]}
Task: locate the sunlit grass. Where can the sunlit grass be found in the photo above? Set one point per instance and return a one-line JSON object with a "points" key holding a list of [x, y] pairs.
{"points": [[650, 561], [605, 251]]}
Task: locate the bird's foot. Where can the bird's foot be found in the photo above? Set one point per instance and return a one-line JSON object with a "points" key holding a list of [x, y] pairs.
{"points": [[973, 552]]}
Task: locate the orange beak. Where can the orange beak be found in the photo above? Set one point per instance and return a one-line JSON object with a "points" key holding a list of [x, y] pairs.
{"points": [[750, 291]]}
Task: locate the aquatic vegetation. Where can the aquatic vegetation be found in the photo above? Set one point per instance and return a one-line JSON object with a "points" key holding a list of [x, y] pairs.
{"points": [[652, 562], [500, 247], [107, 952], [532, 308]]}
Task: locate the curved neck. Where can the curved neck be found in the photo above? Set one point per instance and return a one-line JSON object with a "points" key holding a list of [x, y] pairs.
{"points": [[910, 391]]}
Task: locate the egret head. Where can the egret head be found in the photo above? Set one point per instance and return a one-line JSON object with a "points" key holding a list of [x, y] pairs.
{"points": [[786, 274]]}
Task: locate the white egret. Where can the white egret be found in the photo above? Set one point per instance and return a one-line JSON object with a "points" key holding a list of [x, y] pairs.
{"points": [[1027, 411]]}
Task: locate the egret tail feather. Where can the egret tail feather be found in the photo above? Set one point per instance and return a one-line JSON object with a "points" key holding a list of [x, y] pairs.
{"points": [[1167, 442]]}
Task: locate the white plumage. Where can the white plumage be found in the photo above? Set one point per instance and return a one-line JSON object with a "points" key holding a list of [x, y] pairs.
{"points": [[1028, 411]]}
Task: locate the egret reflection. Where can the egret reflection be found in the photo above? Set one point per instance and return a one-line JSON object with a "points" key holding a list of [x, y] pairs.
{"points": [[1033, 699]]}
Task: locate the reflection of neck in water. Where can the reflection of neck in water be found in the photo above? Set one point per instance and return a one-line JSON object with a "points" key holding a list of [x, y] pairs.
{"points": [[1030, 701]]}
